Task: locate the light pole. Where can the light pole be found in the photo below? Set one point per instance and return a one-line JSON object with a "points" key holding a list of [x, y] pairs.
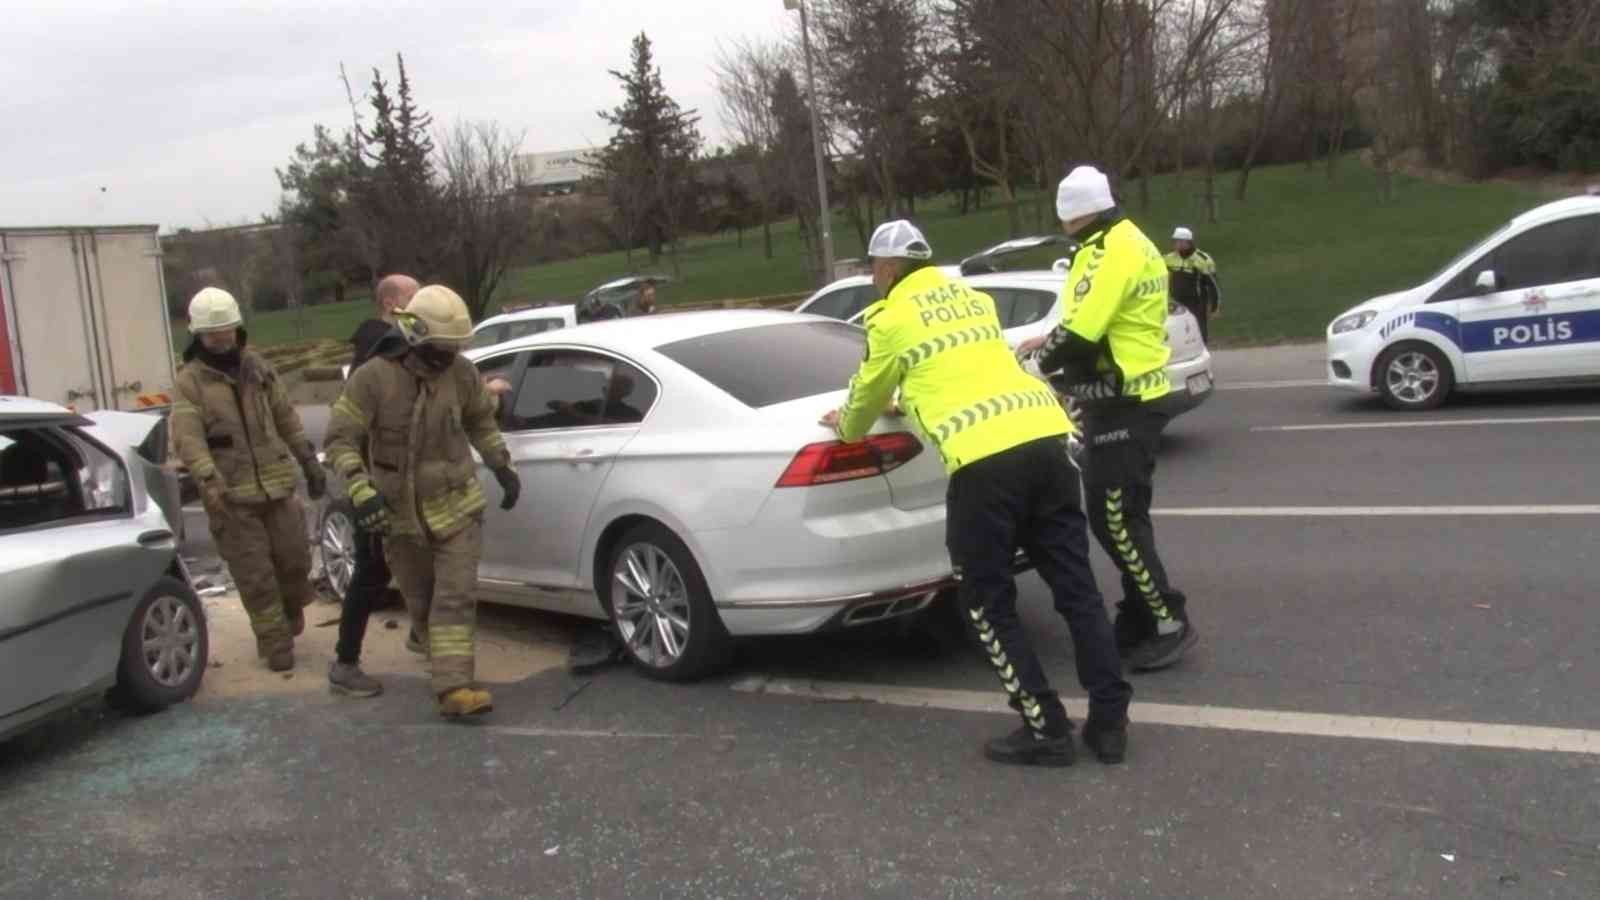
{"points": [[816, 144]]}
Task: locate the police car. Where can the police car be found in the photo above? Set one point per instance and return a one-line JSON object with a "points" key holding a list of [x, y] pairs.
{"points": [[1521, 308]]}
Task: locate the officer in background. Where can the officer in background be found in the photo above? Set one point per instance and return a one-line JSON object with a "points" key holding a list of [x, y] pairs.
{"points": [[402, 436], [1193, 279], [1110, 348], [370, 576], [240, 438], [1001, 435]]}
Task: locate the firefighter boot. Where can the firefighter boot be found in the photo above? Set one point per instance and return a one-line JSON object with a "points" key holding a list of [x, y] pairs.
{"points": [[1045, 738], [281, 660], [465, 701]]}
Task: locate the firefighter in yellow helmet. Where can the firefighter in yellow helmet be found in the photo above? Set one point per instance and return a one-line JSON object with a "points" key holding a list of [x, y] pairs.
{"points": [[1111, 351], [1002, 436], [418, 409], [241, 440]]}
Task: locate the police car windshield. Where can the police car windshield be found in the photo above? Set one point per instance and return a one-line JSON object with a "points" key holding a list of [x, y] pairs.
{"points": [[774, 364], [1472, 250]]}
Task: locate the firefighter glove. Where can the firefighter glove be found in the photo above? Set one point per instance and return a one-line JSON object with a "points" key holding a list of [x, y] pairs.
{"points": [[372, 513], [510, 485]]}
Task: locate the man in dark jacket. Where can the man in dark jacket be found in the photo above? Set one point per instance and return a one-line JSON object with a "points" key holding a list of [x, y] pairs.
{"points": [[371, 575]]}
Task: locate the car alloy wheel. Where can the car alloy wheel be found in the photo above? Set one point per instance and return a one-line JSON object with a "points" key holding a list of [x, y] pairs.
{"points": [[652, 610], [170, 641], [337, 541], [1412, 377]]}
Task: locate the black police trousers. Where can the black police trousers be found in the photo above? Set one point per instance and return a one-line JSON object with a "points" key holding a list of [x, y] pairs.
{"points": [[1028, 497], [1120, 441], [368, 583]]}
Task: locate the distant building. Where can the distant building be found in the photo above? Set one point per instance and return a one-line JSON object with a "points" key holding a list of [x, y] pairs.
{"points": [[558, 172]]}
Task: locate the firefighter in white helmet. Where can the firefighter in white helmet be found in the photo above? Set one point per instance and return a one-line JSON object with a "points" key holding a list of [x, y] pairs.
{"points": [[240, 438], [418, 409]]}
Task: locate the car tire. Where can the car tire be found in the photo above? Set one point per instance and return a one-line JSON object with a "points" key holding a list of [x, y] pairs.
{"points": [[1413, 377], [165, 649], [336, 536], [652, 583]]}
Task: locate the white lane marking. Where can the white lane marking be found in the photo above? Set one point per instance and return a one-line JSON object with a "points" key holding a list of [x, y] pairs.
{"points": [[1430, 423], [1277, 512], [1265, 721], [1271, 385]]}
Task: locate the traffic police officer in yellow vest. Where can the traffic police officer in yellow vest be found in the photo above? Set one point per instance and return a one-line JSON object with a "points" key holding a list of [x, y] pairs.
{"points": [[241, 440], [1001, 434], [1110, 348], [1193, 279], [419, 409]]}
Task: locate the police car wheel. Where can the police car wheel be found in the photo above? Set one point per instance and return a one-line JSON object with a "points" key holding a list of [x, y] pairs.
{"points": [[661, 607], [1413, 377]]}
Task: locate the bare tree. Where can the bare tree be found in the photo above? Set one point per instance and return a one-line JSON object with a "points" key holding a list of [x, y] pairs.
{"points": [[747, 73], [1277, 37], [487, 220]]}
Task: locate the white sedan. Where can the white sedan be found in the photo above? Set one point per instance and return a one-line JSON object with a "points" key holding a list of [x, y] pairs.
{"points": [[675, 480], [1029, 305]]}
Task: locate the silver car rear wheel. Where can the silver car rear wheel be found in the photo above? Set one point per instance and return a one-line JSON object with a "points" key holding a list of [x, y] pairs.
{"points": [[336, 540], [165, 648], [651, 605]]}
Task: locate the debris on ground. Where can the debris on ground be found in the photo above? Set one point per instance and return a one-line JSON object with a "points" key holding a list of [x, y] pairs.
{"points": [[594, 648], [391, 624], [572, 695]]}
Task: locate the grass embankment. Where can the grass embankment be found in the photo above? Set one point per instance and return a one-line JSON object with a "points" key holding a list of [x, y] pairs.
{"points": [[1298, 251]]}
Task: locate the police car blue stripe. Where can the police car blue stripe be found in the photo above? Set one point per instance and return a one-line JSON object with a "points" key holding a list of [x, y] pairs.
{"points": [[1510, 333]]}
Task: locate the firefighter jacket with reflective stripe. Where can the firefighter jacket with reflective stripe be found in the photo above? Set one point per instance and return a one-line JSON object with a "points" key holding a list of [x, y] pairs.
{"points": [[1112, 340], [241, 429], [1192, 280], [940, 343], [418, 429]]}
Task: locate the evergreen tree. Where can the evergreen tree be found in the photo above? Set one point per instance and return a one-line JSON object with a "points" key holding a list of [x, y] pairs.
{"points": [[648, 164]]}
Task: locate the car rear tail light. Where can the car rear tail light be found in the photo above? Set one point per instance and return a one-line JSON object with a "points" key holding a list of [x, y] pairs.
{"points": [[834, 461]]}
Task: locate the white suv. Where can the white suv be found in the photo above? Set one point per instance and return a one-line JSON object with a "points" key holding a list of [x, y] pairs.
{"points": [[1029, 305]]}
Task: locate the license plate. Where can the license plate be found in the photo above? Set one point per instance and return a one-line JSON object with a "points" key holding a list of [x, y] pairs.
{"points": [[1199, 384]]}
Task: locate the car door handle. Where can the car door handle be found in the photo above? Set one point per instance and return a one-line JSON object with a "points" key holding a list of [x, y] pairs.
{"points": [[151, 538], [581, 456]]}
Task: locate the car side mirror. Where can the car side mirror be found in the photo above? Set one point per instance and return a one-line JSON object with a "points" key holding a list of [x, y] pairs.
{"points": [[1061, 266], [1487, 282]]}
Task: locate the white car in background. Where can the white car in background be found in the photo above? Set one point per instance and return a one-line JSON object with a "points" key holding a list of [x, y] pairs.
{"points": [[1029, 305], [1521, 308], [508, 326], [676, 482]]}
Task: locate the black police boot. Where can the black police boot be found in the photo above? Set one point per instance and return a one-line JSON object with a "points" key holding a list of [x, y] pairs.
{"points": [[1158, 651], [1133, 624], [1108, 741], [1027, 746]]}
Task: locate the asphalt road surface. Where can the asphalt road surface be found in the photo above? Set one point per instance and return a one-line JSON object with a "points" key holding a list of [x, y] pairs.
{"points": [[1394, 697]]}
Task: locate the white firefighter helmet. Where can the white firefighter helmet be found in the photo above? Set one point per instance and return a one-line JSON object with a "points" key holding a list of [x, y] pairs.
{"points": [[436, 315], [1182, 234], [213, 309]]}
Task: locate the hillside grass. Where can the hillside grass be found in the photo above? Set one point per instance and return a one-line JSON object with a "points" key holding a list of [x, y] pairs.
{"points": [[1296, 253]]}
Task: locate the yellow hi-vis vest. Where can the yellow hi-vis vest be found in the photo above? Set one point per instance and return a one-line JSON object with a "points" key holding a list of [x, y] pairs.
{"points": [[940, 343], [1116, 296]]}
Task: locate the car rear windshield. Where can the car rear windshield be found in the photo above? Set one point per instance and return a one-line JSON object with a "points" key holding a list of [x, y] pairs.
{"points": [[774, 364]]}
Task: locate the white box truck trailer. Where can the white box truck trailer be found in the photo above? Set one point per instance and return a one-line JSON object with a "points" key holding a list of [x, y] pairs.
{"points": [[83, 317]]}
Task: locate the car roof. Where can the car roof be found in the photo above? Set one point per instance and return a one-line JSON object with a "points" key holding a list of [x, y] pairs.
{"points": [[563, 310], [1559, 209], [645, 333], [16, 410]]}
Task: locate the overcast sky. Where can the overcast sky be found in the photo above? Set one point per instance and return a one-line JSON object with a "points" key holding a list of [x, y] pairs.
{"points": [[176, 113]]}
